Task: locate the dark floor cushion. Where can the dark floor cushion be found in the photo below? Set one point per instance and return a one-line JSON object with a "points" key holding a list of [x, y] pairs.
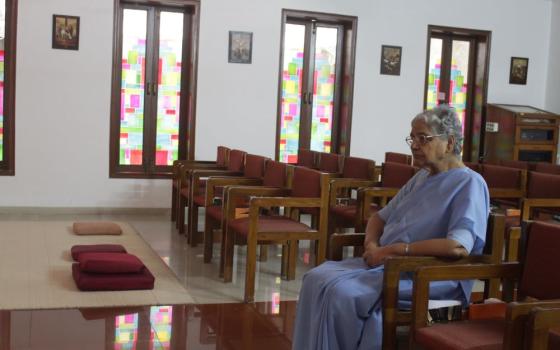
{"points": [[110, 263], [87, 281], [89, 248]]}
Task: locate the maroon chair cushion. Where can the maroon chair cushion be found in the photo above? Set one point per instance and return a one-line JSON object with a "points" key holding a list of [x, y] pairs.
{"points": [[541, 261], [395, 174], [543, 185], [236, 160], [501, 177], [306, 158], [547, 168], [306, 183], [87, 281], [357, 168], [329, 162], [479, 335], [79, 249], [269, 224], [254, 166], [110, 263], [275, 174], [345, 215], [215, 212], [394, 157]]}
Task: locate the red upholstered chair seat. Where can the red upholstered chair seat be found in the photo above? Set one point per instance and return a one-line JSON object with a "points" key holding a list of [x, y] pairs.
{"points": [[215, 212], [269, 224], [117, 281], [77, 250], [479, 335], [346, 214]]}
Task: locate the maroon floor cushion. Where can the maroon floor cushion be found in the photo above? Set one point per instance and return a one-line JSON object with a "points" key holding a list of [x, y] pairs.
{"points": [[110, 263], [89, 281], [88, 248]]}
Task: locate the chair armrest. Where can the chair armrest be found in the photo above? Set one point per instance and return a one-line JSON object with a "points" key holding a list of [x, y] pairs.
{"points": [[529, 203], [340, 240], [222, 181], [424, 275], [344, 183], [288, 202], [233, 194], [541, 319], [506, 192]]}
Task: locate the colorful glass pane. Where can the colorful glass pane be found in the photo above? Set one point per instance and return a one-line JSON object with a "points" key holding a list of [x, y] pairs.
{"points": [[458, 82], [323, 89], [160, 319], [2, 36], [292, 67], [169, 87], [126, 332], [434, 73], [132, 86]]}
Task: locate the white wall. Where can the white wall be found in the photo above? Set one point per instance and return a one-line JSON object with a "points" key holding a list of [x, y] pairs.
{"points": [[63, 97], [553, 81]]}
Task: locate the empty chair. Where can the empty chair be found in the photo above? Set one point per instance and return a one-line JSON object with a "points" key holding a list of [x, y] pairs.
{"points": [[506, 185], [330, 162], [307, 158], [395, 157], [548, 168], [536, 284]]}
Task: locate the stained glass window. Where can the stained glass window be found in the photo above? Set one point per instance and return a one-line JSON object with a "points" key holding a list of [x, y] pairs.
{"points": [[458, 83], [323, 89], [292, 69], [434, 73], [132, 87], [169, 87]]}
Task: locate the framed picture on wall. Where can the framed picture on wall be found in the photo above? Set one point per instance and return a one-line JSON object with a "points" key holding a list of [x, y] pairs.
{"points": [[391, 60], [240, 47], [66, 32], [518, 70]]}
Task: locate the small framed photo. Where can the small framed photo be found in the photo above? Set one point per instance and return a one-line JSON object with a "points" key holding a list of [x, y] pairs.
{"points": [[240, 47], [391, 60], [518, 70], [66, 32]]}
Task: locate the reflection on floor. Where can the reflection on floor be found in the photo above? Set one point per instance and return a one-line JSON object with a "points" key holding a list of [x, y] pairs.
{"points": [[218, 320]]}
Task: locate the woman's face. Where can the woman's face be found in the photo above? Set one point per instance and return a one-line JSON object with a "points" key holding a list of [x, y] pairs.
{"points": [[428, 152]]}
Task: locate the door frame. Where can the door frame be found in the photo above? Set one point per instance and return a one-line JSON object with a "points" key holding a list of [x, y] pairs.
{"points": [[349, 24], [475, 36]]}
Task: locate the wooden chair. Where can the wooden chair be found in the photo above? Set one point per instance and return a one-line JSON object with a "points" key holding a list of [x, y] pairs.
{"points": [[506, 185], [252, 175], [197, 188], [343, 208], [547, 168], [394, 157], [307, 158], [330, 162], [542, 331], [393, 316], [536, 283], [309, 189], [181, 168]]}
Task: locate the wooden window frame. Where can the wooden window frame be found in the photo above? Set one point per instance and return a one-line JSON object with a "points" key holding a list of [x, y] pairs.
{"points": [[340, 139], [188, 90], [7, 165]]}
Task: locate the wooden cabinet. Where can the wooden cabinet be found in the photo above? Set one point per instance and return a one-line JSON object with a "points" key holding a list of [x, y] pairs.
{"points": [[516, 132]]}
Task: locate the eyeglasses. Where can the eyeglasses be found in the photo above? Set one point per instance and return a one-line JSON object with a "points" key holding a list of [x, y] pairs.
{"points": [[421, 139]]}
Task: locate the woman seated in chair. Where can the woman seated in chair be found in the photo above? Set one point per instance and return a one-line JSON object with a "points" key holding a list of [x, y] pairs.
{"points": [[442, 211]]}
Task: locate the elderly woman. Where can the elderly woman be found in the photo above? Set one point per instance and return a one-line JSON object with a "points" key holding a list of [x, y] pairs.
{"points": [[442, 211]]}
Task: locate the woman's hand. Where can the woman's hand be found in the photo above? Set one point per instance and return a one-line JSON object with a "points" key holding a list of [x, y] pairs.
{"points": [[375, 255]]}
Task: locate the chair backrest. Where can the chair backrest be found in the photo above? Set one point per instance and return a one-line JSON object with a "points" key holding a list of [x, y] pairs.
{"points": [[358, 168], [541, 185], [474, 166], [548, 168], [518, 164], [396, 174], [395, 157], [275, 174], [222, 156], [306, 183], [307, 158], [254, 166], [540, 260], [501, 177], [329, 162], [236, 160]]}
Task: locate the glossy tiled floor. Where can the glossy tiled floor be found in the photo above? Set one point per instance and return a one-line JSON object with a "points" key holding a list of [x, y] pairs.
{"points": [[218, 320]]}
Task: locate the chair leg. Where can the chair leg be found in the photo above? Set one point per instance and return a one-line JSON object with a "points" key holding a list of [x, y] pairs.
{"points": [[208, 239], [292, 260], [250, 268], [228, 252], [285, 261], [321, 252], [192, 227], [173, 203], [181, 214], [263, 252]]}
